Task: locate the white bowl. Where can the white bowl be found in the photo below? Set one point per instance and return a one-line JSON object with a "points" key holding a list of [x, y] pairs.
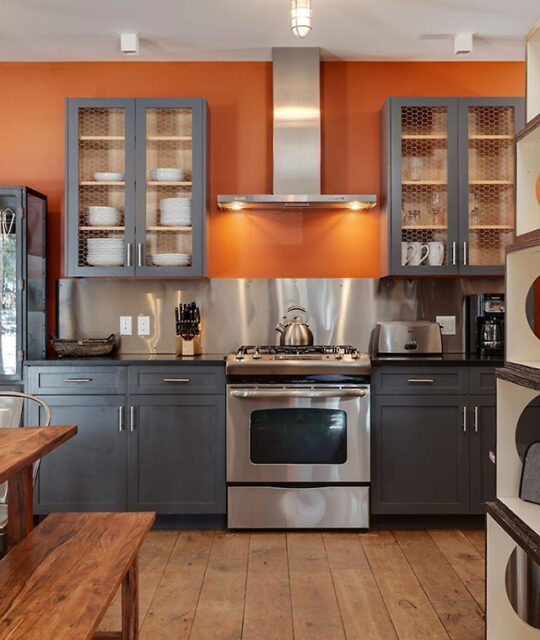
{"points": [[167, 175], [103, 216], [108, 176], [171, 259]]}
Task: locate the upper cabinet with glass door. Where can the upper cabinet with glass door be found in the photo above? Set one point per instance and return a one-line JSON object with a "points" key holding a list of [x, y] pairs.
{"points": [[487, 181], [136, 194], [447, 184]]}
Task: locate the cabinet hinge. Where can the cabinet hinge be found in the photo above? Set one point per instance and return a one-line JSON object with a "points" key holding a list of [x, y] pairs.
{"points": [[21, 284]]}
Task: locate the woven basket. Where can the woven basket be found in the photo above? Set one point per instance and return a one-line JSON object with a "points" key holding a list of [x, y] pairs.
{"points": [[83, 347]]}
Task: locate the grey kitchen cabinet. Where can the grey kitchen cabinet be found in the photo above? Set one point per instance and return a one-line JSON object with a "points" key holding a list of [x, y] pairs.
{"points": [[177, 454], [420, 455], [89, 472], [431, 444], [447, 184], [483, 442], [112, 148], [136, 450]]}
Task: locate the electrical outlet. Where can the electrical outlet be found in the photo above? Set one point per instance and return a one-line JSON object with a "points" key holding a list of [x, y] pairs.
{"points": [[125, 325], [448, 325], [143, 325]]}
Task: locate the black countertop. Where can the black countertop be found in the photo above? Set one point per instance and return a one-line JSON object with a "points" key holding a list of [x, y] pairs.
{"points": [[133, 358], [467, 359]]}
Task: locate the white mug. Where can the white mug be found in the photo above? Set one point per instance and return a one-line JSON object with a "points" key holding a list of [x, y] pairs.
{"points": [[436, 253], [416, 258], [406, 253]]}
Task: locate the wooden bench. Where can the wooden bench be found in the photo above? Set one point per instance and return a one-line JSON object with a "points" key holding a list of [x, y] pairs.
{"points": [[59, 581]]}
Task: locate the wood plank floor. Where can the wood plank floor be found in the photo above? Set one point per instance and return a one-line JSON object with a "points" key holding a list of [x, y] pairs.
{"points": [[383, 585]]}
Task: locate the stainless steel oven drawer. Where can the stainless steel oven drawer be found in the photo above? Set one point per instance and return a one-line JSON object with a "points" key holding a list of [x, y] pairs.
{"points": [[298, 508]]}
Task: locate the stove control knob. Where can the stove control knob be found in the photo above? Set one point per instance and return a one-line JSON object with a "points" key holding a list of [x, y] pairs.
{"points": [[239, 356], [339, 356], [355, 355], [256, 356]]}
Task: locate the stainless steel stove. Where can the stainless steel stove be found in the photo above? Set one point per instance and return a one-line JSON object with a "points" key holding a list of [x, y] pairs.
{"points": [[298, 437], [318, 359]]}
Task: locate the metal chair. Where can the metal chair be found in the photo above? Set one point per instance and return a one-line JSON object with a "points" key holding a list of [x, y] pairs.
{"points": [[11, 415]]}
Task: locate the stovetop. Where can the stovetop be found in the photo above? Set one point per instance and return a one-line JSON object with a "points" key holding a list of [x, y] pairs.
{"points": [[314, 359]]}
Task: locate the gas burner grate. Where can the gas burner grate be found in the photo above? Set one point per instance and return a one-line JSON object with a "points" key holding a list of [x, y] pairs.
{"points": [[297, 350]]}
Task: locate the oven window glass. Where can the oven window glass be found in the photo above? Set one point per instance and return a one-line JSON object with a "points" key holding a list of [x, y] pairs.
{"points": [[298, 436]]}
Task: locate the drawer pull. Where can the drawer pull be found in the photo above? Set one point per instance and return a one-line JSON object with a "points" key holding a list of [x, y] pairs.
{"points": [[78, 379], [421, 380], [175, 379]]}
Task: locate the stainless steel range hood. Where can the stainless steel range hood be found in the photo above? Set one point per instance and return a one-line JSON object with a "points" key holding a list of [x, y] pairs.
{"points": [[297, 140]]}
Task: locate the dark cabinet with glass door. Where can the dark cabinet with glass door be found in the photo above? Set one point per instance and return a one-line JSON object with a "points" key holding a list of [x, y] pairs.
{"points": [[136, 187], [447, 184]]}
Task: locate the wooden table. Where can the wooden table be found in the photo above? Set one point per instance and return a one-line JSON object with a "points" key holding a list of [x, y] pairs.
{"points": [[19, 449]]}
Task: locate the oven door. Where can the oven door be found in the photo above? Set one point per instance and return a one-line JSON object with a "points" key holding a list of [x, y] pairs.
{"points": [[317, 434]]}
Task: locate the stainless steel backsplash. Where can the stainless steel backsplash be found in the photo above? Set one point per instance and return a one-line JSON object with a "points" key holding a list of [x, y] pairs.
{"points": [[246, 311]]}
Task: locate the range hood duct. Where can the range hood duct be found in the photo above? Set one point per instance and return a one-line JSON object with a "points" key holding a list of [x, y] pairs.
{"points": [[297, 140]]}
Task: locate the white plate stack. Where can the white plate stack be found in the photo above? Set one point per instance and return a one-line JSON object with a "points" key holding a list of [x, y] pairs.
{"points": [[103, 216], [171, 259], [105, 252], [175, 212]]}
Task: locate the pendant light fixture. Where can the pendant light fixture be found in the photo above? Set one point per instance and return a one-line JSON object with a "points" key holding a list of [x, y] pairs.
{"points": [[301, 17]]}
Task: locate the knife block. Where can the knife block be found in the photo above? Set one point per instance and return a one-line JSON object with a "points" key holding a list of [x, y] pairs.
{"points": [[189, 347]]}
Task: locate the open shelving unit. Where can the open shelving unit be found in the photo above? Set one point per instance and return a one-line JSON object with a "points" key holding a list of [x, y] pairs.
{"points": [[512, 522]]}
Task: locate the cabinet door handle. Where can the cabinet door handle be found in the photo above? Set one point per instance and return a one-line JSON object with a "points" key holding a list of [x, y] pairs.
{"points": [[78, 379], [454, 253], [464, 419], [128, 259], [492, 457], [476, 419], [120, 419], [132, 419], [465, 253], [175, 379], [420, 380], [139, 254]]}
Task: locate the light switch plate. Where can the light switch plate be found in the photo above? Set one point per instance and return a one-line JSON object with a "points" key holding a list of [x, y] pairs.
{"points": [[448, 325], [143, 325], [125, 325]]}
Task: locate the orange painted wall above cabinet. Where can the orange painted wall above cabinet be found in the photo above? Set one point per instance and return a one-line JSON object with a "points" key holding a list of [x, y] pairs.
{"points": [[239, 94]]}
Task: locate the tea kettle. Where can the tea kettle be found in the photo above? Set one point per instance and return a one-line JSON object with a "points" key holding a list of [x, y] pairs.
{"points": [[293, 331]]}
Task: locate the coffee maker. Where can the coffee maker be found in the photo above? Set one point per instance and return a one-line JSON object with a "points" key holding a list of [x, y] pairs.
{"points": [[485, 313]]}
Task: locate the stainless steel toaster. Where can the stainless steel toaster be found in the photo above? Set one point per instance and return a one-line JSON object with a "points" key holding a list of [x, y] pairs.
{"points": [[408, 337]]}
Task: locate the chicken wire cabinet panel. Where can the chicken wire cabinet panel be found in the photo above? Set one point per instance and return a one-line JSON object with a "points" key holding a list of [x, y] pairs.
{"points": [[136, 187], [447, 184]]}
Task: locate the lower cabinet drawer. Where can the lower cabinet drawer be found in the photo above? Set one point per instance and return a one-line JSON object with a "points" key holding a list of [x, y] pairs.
{"points": [[191, 379], [420, 380], [298, 508], [77, 380], [482, 380]]}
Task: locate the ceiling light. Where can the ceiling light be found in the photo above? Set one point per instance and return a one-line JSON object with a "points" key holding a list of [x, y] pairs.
{"points": [[463, 44], [300, 17], [129, 44]]}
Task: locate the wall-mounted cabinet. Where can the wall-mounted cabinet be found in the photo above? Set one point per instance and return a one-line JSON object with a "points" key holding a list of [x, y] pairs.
{"points": [[448, 186], [135, 187]]}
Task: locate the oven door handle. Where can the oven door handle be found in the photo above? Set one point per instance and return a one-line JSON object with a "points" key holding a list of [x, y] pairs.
{"points": [[298, 393]]}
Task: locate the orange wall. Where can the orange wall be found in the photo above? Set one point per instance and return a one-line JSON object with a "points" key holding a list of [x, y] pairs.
{"points": [[239, 96]]}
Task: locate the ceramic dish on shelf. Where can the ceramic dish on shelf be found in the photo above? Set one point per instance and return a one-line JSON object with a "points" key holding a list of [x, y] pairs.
{"points": [[171, 259], [167, 175], [108, 176], [176, 219], [175, 204], [103, 216]]}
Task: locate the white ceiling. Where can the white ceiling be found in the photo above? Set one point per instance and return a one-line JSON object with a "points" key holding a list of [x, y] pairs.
{"points": [[247, 29]]}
